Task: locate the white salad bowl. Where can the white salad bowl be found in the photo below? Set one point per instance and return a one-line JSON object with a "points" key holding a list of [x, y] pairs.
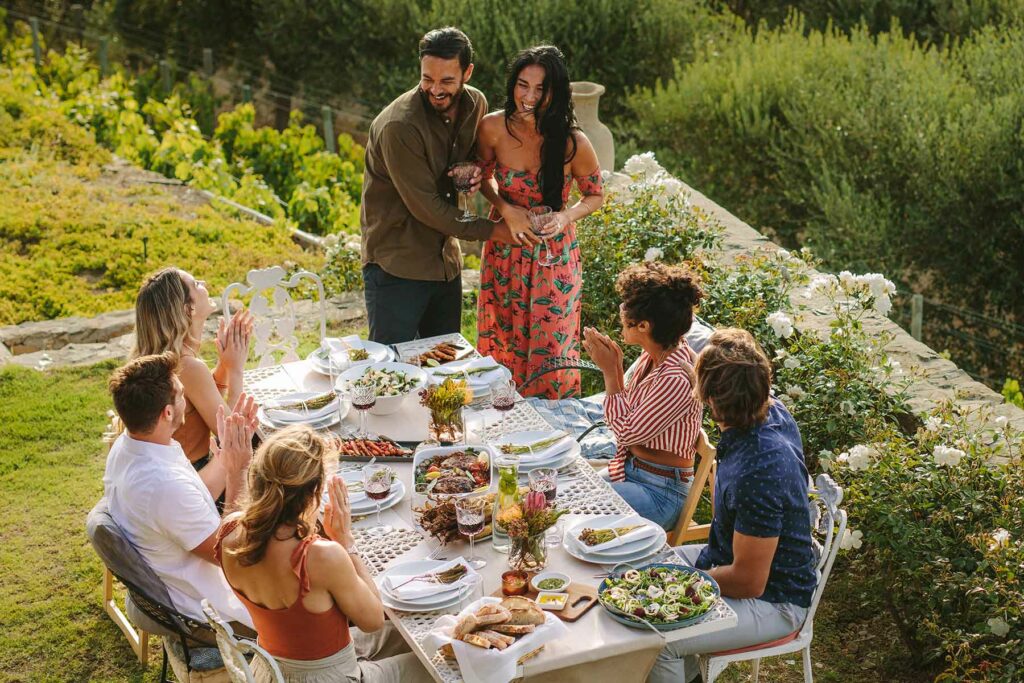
{"points": [[386, 405]]}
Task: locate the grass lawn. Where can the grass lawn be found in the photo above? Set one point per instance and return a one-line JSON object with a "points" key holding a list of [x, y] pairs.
{"points": [[51, 466]]}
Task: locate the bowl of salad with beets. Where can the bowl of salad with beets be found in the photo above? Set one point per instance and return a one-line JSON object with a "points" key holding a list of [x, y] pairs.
{"points": [[393, 382], [666, 596]]}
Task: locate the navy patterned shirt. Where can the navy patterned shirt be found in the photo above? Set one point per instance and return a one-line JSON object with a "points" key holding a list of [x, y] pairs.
{"points": [[761, 490]]}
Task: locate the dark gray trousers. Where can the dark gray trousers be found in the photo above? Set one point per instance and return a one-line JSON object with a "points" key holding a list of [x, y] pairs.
{"points": [[400, 310]]}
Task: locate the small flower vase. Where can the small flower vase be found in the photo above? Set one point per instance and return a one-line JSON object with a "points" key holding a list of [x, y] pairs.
{"points": [[528, 553], [446, 429]]}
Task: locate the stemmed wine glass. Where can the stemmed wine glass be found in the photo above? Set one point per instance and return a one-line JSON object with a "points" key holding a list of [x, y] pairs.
{"points": [[503, 398], [364, 397], [545, 480], [469, 512], [377, 481], [463, 173], [539, 217]]}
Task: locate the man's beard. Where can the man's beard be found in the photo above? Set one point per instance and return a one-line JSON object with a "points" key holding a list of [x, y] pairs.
{"points": [[445, 105]]}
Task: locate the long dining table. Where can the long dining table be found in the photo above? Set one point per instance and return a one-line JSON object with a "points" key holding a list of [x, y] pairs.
{"points": [[597, 648]]}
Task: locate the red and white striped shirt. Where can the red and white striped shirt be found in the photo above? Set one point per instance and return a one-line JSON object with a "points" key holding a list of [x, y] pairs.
{"points": [[657, 409]]}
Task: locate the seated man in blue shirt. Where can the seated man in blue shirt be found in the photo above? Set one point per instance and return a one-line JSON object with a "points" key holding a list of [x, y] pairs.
{"points": [[760, 549]]}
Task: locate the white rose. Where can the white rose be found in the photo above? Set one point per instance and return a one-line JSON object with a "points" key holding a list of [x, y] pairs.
{"points": [[1001, 421], [848, 408], [796, 392], [859, 457], [643, 166], [654, 254], [781, 324], [852, 539], [998, 626], [933, 423], [847, 280], [947, 456], [791, 363], [883, 304], [1000, 539]]}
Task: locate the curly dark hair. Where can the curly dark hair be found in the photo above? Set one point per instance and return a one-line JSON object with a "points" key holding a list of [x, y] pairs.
{"points": [[661, 295]]}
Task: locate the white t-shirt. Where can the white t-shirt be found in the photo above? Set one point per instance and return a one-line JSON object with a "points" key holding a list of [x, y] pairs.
{"points": [[165, 510]]}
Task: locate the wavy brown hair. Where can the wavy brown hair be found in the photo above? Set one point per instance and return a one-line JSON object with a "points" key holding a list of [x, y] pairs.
{"points": [[286, 481], [661, 295], [163, 314], [734, 379]]}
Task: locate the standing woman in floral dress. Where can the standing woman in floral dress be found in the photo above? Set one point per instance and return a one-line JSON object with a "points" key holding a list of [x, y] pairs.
{"points": [[530, 154]]}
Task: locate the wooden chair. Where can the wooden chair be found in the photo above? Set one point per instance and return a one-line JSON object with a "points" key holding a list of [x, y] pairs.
{"points": [[273, 308], [685, 529], [829, 522], [234, 652], [137, 637]]}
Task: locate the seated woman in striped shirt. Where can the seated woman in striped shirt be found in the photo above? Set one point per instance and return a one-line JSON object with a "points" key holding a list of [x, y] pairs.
{"points": [[654, 415]]}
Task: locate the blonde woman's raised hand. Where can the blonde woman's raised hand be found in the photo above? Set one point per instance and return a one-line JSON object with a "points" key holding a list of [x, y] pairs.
{"points": [[233, 340], [246, 407], [338, 513]]}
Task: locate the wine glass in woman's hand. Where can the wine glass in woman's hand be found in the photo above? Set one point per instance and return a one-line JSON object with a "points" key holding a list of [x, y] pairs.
{"points": [[539, 218]]}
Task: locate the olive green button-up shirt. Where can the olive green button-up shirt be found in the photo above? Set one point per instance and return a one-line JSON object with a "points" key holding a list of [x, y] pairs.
{"points": [[408, 214]]}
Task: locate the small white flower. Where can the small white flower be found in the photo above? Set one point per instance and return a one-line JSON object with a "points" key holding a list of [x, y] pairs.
{"points": [[947, 456], [848, 408], [796, 392], [791, 363], [894, 366], [998, 626], [859, 457], [933, 423], [780, 354], [852, 539], [1001, 421], [883, 304], [781, 324], [847, 280], [1000, 539], [654, 254], [825, 459]]}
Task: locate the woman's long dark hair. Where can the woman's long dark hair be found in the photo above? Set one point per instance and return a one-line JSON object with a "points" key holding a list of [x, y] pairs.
{"points": [[555, 123]]}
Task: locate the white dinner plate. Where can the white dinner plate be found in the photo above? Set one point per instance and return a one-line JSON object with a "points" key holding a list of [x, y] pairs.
{"points": [[533, 436], [319, 424], [451, 599], [558, 460], [627, 552], [424, 604]]}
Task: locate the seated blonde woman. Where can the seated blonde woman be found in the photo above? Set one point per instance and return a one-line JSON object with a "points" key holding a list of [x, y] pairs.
{"points": [[300, 589], [653, 415], [171, 309]]}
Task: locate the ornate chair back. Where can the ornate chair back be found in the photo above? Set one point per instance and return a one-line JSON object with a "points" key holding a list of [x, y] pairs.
{"points": [[233, 651], [273, 306]]}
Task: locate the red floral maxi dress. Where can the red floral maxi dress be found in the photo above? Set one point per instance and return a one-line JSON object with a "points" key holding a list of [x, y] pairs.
{"points": [[529, 312]]}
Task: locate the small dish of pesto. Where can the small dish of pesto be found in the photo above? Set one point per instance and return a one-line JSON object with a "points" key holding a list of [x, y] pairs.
{"points": [[554, 582]]}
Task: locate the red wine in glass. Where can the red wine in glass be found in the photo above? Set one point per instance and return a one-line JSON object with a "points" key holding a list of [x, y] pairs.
{"points": [[470, 527], [462, 176], [364, 397], [379, 494], [549, 489], [469, 513], [377, 485], [504, 403]]}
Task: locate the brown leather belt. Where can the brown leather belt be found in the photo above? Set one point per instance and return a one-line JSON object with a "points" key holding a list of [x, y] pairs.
{"points": [[660, 471]]}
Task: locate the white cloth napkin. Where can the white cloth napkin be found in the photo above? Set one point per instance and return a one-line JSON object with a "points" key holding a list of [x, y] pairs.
{"points": [[548, 453], [480, 379], [646, 531], [490, 666], [298, 414], [421, 589]]}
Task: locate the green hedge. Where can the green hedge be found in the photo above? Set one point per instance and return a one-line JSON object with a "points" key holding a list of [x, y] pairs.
{"points": [[873, 151]]}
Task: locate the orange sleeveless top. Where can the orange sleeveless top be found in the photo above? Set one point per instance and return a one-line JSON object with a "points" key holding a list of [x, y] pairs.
{"points": [[194, 433], [294, 632]]}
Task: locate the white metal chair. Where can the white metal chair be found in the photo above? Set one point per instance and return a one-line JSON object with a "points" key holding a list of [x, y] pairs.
{"points": [[234, 651], [273, 307], [828, 521]]}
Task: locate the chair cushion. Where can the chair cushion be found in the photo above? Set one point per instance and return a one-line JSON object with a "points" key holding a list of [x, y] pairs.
{"points": [[144, 621], [200, 658], [760, 646]]}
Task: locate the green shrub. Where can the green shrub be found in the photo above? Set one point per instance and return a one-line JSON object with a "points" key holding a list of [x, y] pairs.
{"points": [[940, 519]]}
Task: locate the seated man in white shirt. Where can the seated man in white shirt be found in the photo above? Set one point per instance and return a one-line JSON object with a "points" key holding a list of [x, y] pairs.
{"points": [[155, 494]]}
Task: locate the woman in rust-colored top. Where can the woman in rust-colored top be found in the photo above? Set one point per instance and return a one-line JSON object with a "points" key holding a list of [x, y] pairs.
{"points": [[302, 590]]}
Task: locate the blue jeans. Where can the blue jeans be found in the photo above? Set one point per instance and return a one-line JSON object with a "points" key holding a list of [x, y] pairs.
{"points": [[653, 496]]}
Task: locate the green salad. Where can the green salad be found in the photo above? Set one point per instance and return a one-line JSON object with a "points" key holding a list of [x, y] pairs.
{"points": [[387, 382], [661, 595]]}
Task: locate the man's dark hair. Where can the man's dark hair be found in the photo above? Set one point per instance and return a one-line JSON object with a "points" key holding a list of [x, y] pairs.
{"points": [[447, 43], [734, 378], [142, 388]]}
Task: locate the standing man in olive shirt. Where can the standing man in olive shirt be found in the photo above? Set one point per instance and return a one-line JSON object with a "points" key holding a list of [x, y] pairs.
{"points": [[412, 264]]}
